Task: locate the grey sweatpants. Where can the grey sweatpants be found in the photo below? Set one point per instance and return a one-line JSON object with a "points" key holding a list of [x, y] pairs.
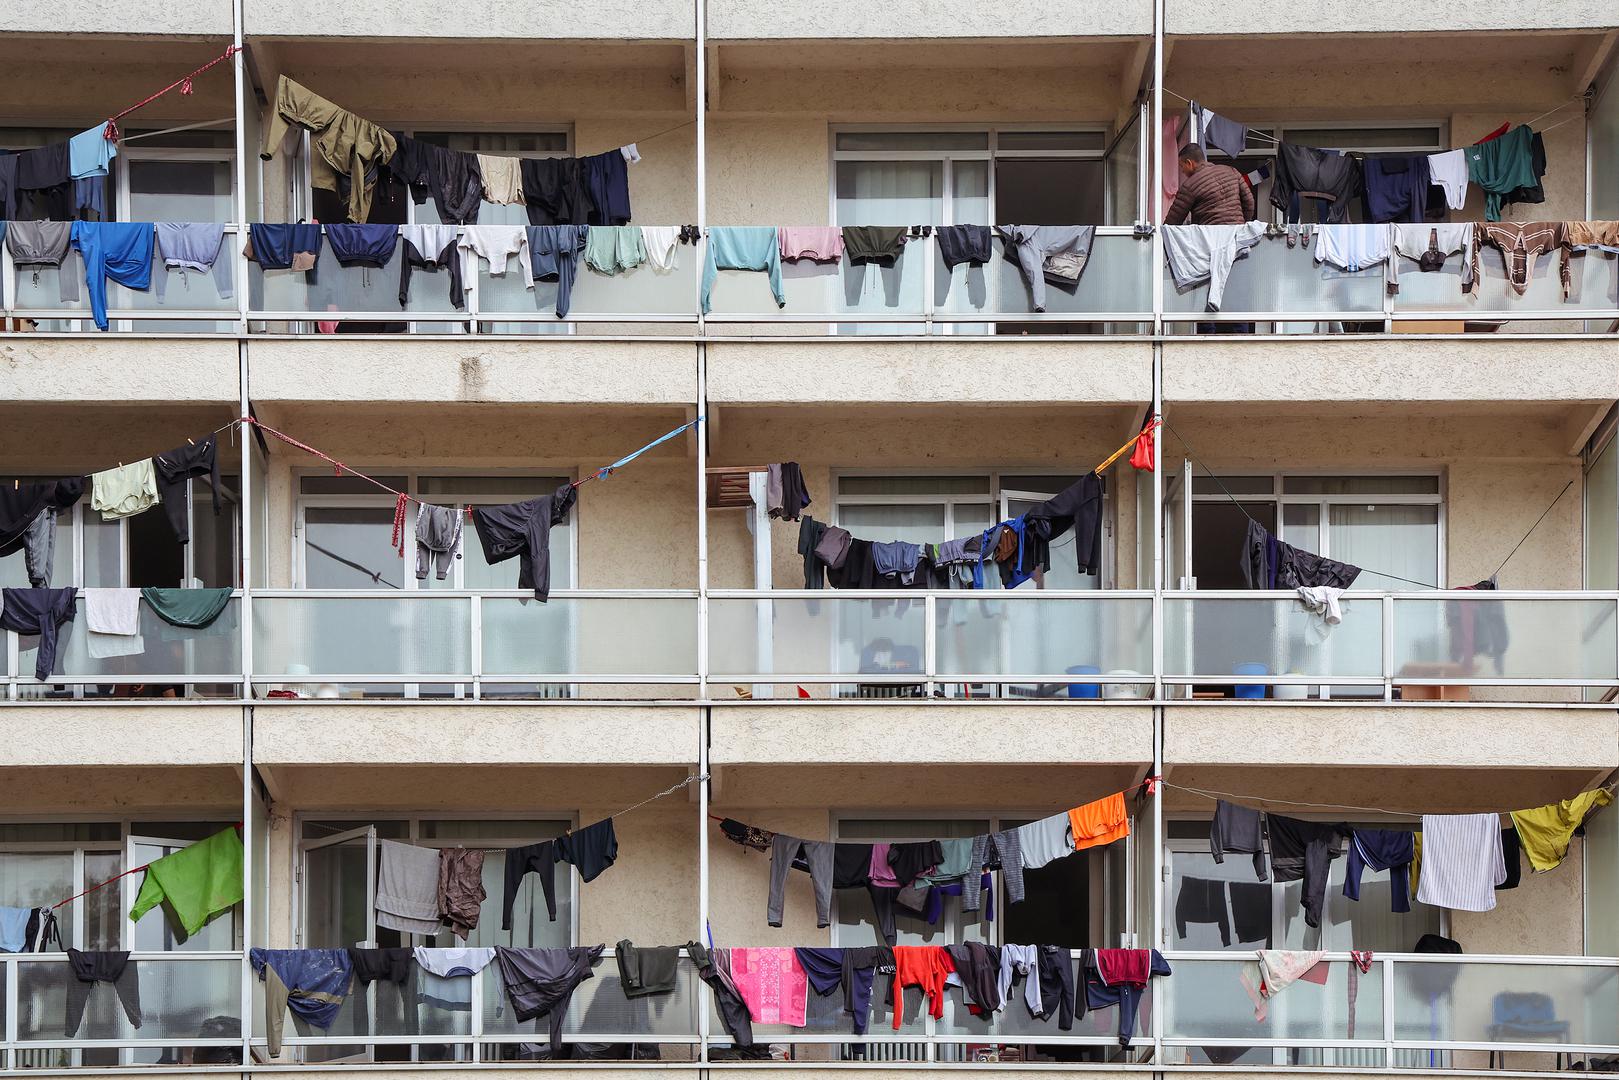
{"points": [[39, 548], [1001, 847], [783, 849]]}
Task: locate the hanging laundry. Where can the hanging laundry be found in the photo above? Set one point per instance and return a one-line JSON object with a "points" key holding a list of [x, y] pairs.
{"points": [[1269, 563], [733, 1011], [496, 244], [191, 609], [833, 546], [591, 850], [1429, 246], [1477, 629], [970, 244], [196, 883], [614, 249], [1202, 901], [1054, 254], [1175, 133], [382, 965], [813, 243], [1598, 235], [38, 612], [460, 893], [541, 982], [1303, 851], [1199, 254], [502, 179], [523, 531], [450, 176], [1462, 861], [1324, 602], [125, 491], [285, 247], [1274, 970], [896, 558], [173, 469], [28, 521], [1360, 963], [554, 251], [1142, 456], [1020, 961], [1520, 244], [1502, 166], [407, 888], [43, 244], [1058, 996], [879, 245], [1099, 823], [818, 855], [89, 154], [977, 970], [119, 251], [1353, 247], [1304, 172], [772, 984], [438, 539], [643, 971], [446, 980], [787, 479], [112, 968], [14, 928], [926, 966], [1212, 129], [1045, 841], [541, 859], [313, 983], [1239, 830], [742, 248], [1396, 187], [347, 148], [910, 861], [368, 247], [1449, 171], [44, 180], [197, 246], [433, 248], [90, 198], [1546, 830], [989, 852], [555, 191], [1378, 850], [113, 618], [748, 836], [607, 179], [1077, 507], [1129, 978], [1535, 192], [1512, 854], [660, 243]]}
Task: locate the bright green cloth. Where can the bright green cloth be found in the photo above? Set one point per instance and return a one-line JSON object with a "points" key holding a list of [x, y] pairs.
{"points": [[199, 881], [192, 608], [1545, 830], [613, 249]]}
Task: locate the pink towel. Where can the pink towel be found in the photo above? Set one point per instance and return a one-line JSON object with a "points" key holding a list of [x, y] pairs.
{"points": [[772, 984], [816, 243]]}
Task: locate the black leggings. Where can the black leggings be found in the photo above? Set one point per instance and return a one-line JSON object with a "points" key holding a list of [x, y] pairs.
{"points": [[541, 858]]}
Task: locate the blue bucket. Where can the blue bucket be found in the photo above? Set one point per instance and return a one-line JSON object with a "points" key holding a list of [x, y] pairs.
{"points": [[1253, 690], [1084, 690]]}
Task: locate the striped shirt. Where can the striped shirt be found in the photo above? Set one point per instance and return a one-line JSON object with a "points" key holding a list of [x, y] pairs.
{"points": [[1213, 195], [1462, 861], [1521, 243]]}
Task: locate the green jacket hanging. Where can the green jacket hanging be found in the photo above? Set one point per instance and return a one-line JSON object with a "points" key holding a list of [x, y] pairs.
{"points": [[199, 881], [192, 608]]}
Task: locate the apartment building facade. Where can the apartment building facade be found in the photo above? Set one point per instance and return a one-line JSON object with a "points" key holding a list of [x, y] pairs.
{"points": [[680, 671]]}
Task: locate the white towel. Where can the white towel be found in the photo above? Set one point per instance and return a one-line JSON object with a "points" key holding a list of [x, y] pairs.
{"points": [[1462, 861], [112, 611], [407, 888], [661, 243]]}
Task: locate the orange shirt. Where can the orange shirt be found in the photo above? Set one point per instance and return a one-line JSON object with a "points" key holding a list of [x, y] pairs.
{"points": [[925, 966], [1098, 823]]}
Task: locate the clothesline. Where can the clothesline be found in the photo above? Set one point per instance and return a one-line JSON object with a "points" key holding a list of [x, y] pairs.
{"points": [[183, 83], [109, 881], [1257, 801]]}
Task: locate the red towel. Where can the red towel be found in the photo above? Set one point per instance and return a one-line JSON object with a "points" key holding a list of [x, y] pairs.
{"points": [[1132, 967]]}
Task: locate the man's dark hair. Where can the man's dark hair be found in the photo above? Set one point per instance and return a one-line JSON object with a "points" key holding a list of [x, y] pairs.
{"points": [[1192, 152]]}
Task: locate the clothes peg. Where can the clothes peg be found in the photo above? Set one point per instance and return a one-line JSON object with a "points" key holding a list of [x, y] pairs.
{"points": [[190, 440]]}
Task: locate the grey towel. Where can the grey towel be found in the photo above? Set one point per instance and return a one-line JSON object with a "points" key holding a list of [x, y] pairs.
{"points": [[407, 888]]}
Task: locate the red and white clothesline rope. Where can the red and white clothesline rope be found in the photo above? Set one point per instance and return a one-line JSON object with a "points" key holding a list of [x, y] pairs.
{"points": [[183, 84]]}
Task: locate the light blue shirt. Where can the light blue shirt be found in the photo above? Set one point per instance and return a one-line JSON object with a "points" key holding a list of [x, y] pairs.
{"points": [[14, 928], [743, 248], [88, 153]]}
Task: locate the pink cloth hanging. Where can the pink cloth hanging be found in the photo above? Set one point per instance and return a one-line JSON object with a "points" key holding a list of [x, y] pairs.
{"points": [[772, 984], [1175, 135], [815, 243]]}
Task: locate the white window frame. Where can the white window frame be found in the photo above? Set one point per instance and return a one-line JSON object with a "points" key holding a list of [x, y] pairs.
{"points": [[1279, 496], [301, 502]]}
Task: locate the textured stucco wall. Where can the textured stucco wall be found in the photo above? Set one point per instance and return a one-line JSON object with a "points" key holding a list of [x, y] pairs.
{"points": [[1372, 369], [67, 735], [70, 793], [565, 369], [42, 438], [1387, 16], [925, 18], [1390, 737], [145, 18], [499, 19], [926, 734], [429, 734], [117, 370], [944, 371]]}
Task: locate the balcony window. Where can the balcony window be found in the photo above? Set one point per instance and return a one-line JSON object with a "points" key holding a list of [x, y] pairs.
{"points": [[1267, 914], [344, 525]]}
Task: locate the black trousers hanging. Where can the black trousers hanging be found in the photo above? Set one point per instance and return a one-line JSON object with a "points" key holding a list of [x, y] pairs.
{"points": [[90, 968]]}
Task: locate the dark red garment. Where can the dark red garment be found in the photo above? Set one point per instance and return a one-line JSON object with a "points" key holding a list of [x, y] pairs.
{"points": [[1129, 967], [1141, 456], [1496, 134]]}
